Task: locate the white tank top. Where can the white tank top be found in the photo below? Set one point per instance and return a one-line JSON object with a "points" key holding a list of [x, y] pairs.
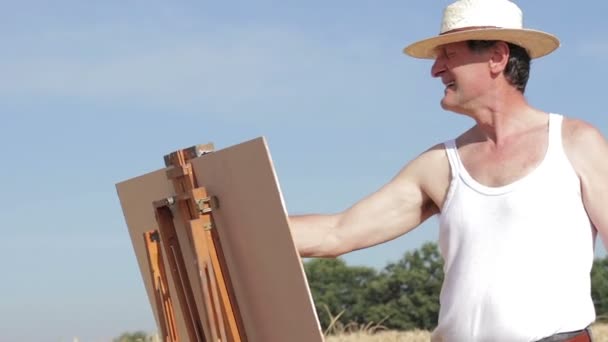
{"points": [[517, 257]]}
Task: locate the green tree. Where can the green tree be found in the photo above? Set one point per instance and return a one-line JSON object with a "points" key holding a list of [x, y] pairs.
{"points": [[339, 287], [599, 287], [407, 293], [404, 295], [138, 336]]}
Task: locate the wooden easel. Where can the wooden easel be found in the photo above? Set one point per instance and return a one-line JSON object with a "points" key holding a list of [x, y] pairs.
{"points": [[162, 298], [216, 318], [211, 236]]}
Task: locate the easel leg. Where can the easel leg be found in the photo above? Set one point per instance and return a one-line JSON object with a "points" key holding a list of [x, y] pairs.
{"points": [[161, 292], [185, 296]]}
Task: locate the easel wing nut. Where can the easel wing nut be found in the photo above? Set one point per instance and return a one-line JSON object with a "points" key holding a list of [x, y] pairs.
{"points": [[154, 236], [165, 202], [207, 204]]}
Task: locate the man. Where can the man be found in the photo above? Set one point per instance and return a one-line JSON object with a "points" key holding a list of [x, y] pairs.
{"points": [[519, 195]]}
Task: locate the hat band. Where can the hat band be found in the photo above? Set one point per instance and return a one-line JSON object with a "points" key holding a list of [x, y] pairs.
{"points": [[468, 28]]}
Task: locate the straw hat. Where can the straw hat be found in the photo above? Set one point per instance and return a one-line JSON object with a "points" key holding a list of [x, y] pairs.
{"points": [[485, 20]]}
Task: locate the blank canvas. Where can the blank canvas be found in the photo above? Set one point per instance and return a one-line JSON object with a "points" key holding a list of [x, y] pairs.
{"points": [[266, 272]]}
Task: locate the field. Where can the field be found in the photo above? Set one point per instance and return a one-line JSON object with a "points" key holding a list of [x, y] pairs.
{"points": [[599, 331], [600, 334]]}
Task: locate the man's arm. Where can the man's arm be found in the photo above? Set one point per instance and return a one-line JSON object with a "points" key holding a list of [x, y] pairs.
{"points": [[588, 151], [393, 210]]}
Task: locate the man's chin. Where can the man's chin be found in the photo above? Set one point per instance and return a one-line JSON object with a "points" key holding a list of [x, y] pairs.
{"points": [[446, 105], [450, 107]]}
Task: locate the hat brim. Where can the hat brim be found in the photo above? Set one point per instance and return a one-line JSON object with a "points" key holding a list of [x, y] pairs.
{"points": [[537, 43]]}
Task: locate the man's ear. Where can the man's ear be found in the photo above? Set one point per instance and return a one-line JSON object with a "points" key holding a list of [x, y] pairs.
{"points": [[499, 58]]}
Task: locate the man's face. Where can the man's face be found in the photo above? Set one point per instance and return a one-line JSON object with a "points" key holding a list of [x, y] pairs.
{"points": [[465, 74]]}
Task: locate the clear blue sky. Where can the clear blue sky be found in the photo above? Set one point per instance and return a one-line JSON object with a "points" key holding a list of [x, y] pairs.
{"points": [[93, 93]]}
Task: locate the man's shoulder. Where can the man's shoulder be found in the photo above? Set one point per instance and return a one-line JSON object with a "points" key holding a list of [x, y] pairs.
{"points": [[580, 135], [434, 154], [429, 161], [438, 150], [584, 144], [431, 164]]}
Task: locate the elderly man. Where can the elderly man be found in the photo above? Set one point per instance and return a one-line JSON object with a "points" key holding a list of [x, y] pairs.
{"points": [[519, 195]]}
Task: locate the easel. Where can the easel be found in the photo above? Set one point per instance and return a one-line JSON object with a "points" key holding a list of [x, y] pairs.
{"points": [[212, 240], [216, 317]]}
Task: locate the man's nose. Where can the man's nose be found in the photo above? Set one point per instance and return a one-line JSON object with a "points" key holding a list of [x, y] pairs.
{"points": [[438, 67]]}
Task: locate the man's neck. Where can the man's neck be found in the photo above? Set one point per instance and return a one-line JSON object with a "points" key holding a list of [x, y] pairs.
{"points": [[504, 118]]}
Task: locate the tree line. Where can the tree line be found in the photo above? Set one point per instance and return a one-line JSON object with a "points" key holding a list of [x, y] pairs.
{"points": [[403, 295]]}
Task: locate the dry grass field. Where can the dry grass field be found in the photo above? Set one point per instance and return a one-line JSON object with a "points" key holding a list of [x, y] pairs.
{"points": [[352, 333], [600, 334], [382, 336], [375, 333]]}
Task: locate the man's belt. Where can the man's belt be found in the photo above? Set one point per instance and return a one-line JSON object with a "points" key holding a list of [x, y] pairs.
{"points": [[573, 336]]}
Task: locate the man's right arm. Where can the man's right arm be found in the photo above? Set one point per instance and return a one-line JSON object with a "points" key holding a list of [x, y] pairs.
{"points": [[393, 210]]}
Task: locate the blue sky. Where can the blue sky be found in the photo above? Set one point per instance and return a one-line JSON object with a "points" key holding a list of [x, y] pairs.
{"points": [[92, 94]]}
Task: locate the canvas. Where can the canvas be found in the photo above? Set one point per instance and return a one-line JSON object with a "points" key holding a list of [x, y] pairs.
{"points": [[266, 272]]}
